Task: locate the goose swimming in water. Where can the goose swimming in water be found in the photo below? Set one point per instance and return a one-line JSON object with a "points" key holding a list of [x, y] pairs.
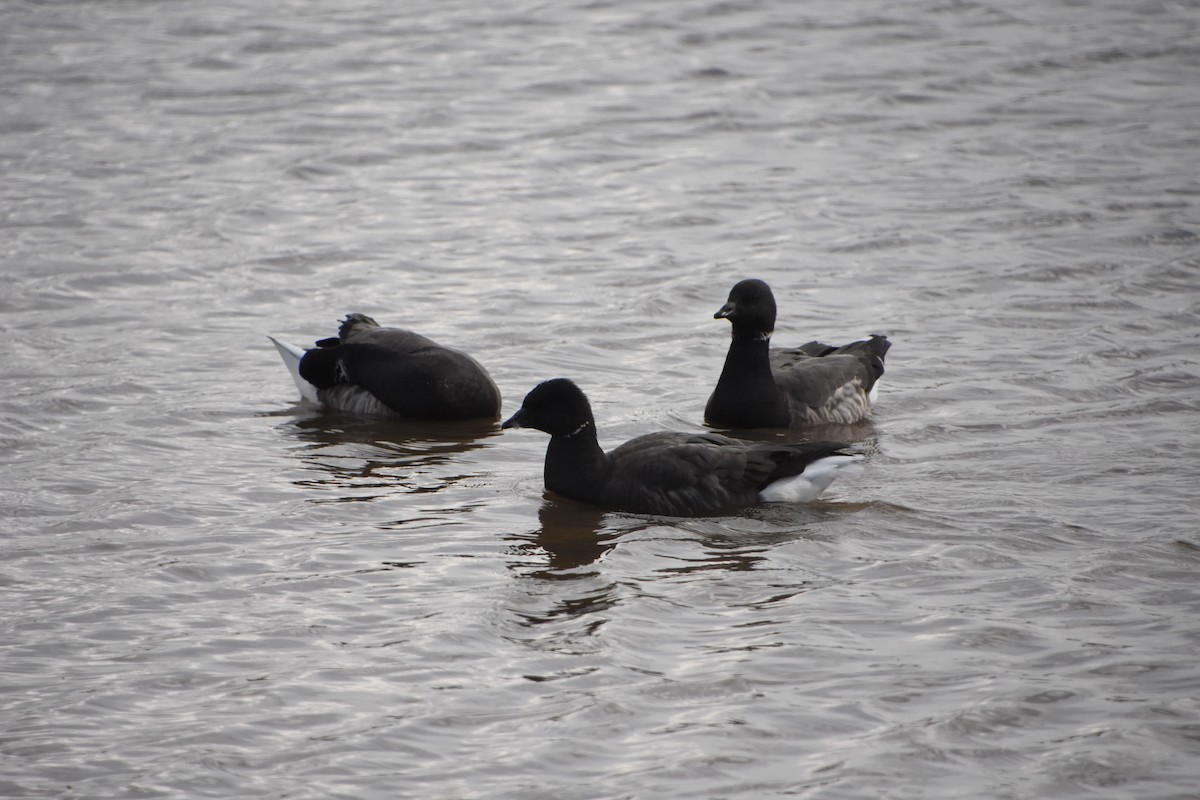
{"points": [[765, 387], [371, 370], [667, 472]]}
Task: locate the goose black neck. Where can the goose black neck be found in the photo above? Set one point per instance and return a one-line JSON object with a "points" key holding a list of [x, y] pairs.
{"points": [[576, 466], [749, 353], [746, 395]]}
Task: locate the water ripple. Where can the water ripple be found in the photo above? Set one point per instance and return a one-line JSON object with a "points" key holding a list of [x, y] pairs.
{"points": [[213, 590]]}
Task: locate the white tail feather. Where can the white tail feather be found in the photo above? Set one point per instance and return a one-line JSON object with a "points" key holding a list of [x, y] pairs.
{"points": [[291, 355], [809, 484]]}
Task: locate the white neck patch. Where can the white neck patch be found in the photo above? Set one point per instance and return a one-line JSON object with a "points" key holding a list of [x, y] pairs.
{"points": [[577, 431]]}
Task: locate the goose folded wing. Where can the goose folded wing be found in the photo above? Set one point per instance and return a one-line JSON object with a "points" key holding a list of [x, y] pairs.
{"points": [[676, 473], [428, 382], [818, 381], [403, 382], [786, 357]]}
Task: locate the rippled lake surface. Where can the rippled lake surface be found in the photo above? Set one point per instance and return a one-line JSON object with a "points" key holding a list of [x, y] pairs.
{"points": [[211, 590]]}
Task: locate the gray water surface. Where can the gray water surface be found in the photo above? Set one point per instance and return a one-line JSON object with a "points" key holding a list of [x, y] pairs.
{"points": [[211, 590]]}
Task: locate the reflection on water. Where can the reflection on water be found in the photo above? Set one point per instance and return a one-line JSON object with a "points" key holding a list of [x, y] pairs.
{"points": [[203, 600], [721, 556], [862, 434], [569, 536], [329, 427], [366, 459]]}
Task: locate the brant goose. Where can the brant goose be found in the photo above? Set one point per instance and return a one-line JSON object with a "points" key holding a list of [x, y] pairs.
{"points": [[371, 370], [669, 473], [813, 384]]}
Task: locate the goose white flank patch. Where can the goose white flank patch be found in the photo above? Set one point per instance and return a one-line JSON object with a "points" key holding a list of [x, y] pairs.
{"points": [[670, 473], [765, 387], [371, 370]]}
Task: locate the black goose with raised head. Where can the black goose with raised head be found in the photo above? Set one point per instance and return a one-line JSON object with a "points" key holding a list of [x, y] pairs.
{"points": [[765, 387]]}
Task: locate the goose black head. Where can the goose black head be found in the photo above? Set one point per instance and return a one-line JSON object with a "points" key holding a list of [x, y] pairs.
{"points": [[750, 307], [557, 407]]}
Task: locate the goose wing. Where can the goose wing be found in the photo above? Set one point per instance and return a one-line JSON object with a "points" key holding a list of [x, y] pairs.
{"points": [[680, 473], [409, 373]]}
